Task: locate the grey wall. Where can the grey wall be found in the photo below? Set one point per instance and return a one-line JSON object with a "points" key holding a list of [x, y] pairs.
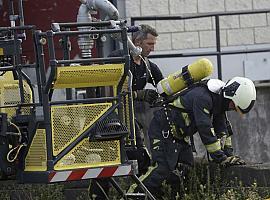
{"points": [[255, 66], [252, 132], [197, 35]]}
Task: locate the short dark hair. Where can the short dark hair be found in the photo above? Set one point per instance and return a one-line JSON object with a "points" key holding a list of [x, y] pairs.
{"points": [[142, 33]]}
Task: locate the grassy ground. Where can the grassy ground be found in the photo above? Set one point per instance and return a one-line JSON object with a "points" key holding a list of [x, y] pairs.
{"points": [[12, 191], [198, 186]]}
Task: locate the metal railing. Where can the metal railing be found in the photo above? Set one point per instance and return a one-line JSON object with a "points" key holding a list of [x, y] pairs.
{"points": [[218, 53]]}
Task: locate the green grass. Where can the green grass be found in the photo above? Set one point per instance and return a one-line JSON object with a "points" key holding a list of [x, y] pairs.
{"points": [[31, 191], [200, 185]]}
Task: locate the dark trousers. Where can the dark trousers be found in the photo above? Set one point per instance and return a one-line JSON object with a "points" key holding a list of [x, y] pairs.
{"points": [[171, 158]]}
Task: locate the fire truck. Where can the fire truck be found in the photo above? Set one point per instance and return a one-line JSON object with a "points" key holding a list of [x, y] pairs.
{"points": [[44, 139]]}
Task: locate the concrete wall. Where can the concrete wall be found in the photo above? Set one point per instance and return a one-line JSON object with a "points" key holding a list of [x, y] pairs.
{"points": [[253, 65], [252, 132], [196, 35], [199, 33]]}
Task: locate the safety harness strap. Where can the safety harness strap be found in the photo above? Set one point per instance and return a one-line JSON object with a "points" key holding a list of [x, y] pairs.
{"points": [[186, 76]]}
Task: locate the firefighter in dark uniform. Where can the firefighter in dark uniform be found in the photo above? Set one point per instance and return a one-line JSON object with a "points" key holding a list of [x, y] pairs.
{"points": [[200, 109], [143, 71]]}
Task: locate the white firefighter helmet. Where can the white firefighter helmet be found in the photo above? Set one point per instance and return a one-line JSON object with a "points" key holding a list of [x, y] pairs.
{"points": [[242, 92]]}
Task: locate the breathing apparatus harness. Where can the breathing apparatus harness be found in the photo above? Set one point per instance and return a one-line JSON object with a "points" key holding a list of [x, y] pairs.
{"points": [[165, 103]]}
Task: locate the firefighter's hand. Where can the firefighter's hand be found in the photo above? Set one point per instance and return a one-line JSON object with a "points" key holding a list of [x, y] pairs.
{"points": [[233, 160], [147, 95]]}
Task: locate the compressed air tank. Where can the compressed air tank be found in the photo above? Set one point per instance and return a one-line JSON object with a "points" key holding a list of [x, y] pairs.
{"points": [[177, 81]]}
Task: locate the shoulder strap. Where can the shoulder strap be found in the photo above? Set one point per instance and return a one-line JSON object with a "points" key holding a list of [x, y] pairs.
{"points": [[148, 71], [171, 98], [147, 63], [178, 109]]}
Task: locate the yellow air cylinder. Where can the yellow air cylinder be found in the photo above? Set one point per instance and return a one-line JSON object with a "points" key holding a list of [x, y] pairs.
{"points": [[175, 82]]}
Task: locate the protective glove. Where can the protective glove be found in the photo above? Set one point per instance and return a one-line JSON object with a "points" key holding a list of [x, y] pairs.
{"points": [[228, 150], [226, 145], [233, 160], [147, 95]]}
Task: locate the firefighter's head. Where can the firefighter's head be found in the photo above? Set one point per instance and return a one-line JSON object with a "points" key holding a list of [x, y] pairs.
{"points": [[240, 94], [145, 38]]}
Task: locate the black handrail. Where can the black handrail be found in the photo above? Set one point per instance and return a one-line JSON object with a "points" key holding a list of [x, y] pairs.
{"points": [[218, 51]]}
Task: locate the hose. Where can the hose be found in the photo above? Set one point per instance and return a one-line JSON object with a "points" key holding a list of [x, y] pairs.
{"points": [[17, 149]]}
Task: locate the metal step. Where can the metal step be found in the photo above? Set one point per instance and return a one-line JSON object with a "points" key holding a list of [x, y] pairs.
{"points": [[135, 195]]}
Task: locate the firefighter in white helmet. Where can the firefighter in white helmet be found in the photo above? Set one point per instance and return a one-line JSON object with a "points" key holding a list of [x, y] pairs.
{"points": [[200, 108], [242, 93]]}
